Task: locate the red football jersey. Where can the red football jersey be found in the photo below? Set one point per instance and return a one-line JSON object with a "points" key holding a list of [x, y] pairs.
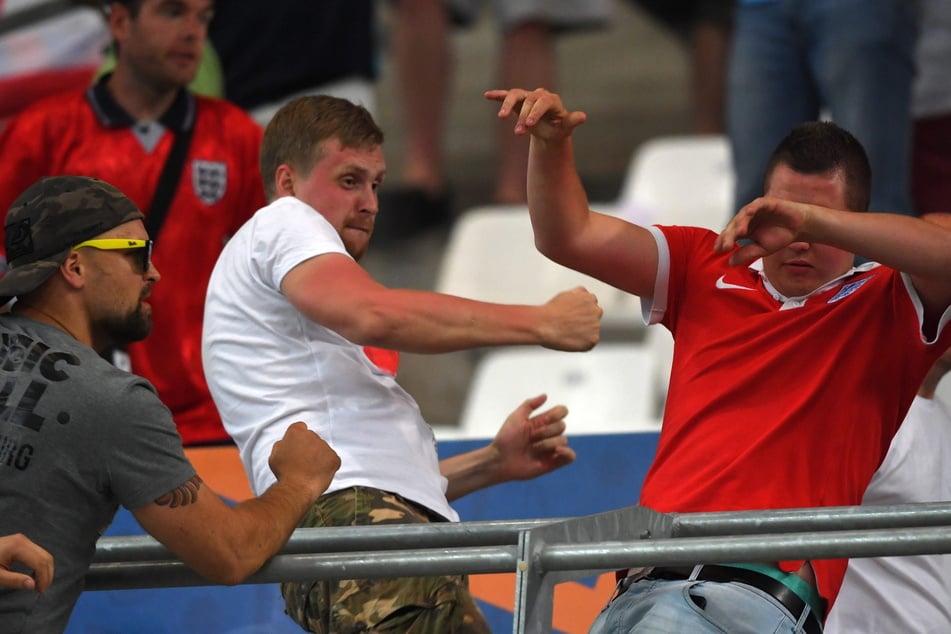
{"points": [[86, 133], [777, 404]]}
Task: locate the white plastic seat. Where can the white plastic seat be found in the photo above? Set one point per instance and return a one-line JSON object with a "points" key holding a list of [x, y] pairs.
{"points": [[680, 180], [606, 390], [491, 256]]}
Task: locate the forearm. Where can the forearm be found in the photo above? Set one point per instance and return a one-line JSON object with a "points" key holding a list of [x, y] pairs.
{"points": [[471, 471], [557, 202], [919, 248], [423, 322], [226, 544], [262, 525]]}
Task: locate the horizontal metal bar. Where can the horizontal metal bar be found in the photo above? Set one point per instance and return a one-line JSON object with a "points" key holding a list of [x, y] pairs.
{"points": [[809, 519], [749, 548], [603, 556], [362, 565], [346, 539], [490, 533]]}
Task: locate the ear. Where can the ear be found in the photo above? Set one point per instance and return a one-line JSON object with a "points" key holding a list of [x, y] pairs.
{"points": [[73, 271], [119, 22], [284, 180]]}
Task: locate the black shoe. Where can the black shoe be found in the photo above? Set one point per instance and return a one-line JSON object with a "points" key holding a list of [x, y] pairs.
{"points": [[405, 213]]}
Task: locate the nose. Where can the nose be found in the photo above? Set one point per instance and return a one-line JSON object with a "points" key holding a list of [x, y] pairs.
{"points": [[196, 28], [371, 202], [153, 275], [799, 246]]}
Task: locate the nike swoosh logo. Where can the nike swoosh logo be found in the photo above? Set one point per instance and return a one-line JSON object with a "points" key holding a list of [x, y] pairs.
{"points": [[722, 284]]}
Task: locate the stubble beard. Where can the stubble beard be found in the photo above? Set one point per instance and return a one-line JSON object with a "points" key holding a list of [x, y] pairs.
{"points": [[133, 326]]}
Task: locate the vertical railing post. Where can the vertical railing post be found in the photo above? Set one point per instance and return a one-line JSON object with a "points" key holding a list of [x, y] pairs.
{"points": [[535, 585]]}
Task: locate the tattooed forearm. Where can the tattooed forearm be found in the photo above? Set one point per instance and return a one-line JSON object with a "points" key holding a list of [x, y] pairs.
{"points": [[186, 493]]}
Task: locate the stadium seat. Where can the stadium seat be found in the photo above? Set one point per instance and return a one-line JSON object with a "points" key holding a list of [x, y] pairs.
{"points": [[491, 256], [679, 180], [606, 390]]}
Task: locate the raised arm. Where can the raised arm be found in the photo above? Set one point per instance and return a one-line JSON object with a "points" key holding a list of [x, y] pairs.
{"points": [[566, 230], [920, 247], [338, 293], [525, 447], [226, 544], [19, 549]]}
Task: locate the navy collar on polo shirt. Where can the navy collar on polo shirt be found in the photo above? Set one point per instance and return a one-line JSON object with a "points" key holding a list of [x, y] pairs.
{"points": [[179, 116]]}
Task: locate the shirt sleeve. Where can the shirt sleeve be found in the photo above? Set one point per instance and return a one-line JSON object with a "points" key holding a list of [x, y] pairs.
{"points": [[147, 460], [289, 234], [681, 251]]}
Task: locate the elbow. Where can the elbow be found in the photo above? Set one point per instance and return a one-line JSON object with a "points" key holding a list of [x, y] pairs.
{"points": [[546, 246], [226, 567], [557, 250], [370, 327], [230, 573], [233, 577]]}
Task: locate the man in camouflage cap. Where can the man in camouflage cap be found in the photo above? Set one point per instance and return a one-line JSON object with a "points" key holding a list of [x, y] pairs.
{"points": [[79, 437], [50, 218]]}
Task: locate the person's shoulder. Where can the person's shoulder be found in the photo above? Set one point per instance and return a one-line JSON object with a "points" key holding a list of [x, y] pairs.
{"points": [[220, 108], [59, 107], [284, 213], [106, 379], [685, 235]]}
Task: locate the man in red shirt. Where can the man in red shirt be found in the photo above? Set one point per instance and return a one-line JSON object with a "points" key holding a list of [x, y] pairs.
{"points": [[792, 367], [122, 130]]}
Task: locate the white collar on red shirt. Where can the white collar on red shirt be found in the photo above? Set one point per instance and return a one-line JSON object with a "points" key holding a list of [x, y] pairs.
{"points": [[796, 302]]}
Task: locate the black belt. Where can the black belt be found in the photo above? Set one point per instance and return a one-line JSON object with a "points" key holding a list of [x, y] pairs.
{"points": [[725, 574]]}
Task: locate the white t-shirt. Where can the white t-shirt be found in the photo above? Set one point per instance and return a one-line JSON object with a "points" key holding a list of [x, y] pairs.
{"points": [[268, 366], [903, 594]]}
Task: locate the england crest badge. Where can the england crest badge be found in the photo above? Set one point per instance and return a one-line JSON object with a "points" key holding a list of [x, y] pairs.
{"points": [[209, 180]]}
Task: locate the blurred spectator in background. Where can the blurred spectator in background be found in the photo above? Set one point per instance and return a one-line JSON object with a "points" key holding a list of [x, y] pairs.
{"points": [[851, 59], [705, 27], [271, 52], [931, 108], [190, 163], [421, 51]]}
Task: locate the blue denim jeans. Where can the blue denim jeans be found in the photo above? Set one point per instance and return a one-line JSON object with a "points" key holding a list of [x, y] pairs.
{"points": [[653, 606], [853, 59]]}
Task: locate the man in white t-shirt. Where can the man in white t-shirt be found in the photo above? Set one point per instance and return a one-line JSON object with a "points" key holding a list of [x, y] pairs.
{"points": [[296, 329], [883, 595]]}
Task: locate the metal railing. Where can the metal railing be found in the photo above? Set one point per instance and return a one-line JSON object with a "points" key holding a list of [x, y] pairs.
{"points": [[545, 552]]}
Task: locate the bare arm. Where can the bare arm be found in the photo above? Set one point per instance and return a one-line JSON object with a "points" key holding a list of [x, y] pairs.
{"points": [[566, 230], [338, 293], [18, 548], [526, 447], [917, 246], [226, 544]]}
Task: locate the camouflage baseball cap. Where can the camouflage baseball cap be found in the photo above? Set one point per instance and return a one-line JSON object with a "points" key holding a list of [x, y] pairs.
{"points": [[52, 216]]}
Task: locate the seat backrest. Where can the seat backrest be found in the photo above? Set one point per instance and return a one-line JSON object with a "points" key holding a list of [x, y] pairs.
{"points": [[491, 256], [606, 389], [680, 180]]}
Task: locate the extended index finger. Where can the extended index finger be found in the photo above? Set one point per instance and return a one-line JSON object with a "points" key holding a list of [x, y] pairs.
{"points": [[510, 99]]}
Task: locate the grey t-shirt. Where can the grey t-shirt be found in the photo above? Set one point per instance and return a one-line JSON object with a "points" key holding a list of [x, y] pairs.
{"points": [[78, 437]]}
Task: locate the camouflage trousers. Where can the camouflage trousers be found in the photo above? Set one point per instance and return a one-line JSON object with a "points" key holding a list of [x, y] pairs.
{"points": [[411, 605]]}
